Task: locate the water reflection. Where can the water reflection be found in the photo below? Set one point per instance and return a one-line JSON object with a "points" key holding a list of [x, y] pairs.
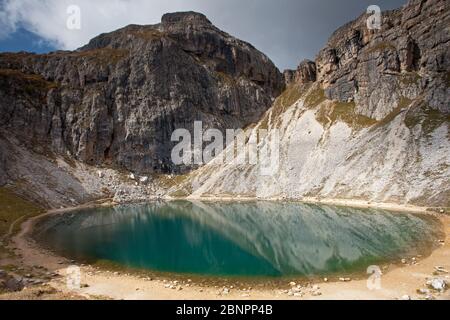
{"points": [[255, 238]]}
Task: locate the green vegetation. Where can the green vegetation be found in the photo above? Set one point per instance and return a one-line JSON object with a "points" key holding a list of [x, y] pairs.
{"points": [[13, 210], [30, 84], [315, 97], [225, 78], [404, 102], [409, 78], [102, 56], [289, 96], [168, 182], [402, 105], [430, 119], [180, 193], [382, 46], [345, 112]]}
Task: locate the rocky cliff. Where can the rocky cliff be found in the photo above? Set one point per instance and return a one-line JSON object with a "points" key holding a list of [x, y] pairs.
{"points": [[368, 119], [374, 126], [117, 100]]}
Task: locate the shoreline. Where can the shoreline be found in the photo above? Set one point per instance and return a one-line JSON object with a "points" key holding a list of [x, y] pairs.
{"points": [[122, 285], [352, 203]]}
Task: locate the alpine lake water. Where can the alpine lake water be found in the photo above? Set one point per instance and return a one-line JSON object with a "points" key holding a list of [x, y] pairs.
{"points": [[239, 239]]}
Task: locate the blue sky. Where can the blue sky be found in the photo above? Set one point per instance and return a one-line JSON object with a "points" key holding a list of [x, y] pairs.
{"points": [[286, 30], [24, 40]]}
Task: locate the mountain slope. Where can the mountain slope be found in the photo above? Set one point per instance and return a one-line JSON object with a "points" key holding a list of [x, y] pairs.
{"points": [[117, 100], [368, 120], [374, 126]]}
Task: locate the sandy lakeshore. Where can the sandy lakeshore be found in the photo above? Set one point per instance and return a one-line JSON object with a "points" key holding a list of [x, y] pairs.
{"points": [[398, 280]]}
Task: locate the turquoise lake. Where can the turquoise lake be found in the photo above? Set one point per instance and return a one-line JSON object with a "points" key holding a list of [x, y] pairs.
{"points": [[239, 238]]}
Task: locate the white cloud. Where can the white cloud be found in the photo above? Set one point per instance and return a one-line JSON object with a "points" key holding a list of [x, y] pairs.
{"points": [[48, 18]]}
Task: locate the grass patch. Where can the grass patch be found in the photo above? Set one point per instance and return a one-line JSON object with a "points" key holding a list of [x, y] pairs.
{"points": [[409, 78], [103, 56], [381, 46], [13, 207], [290, 95], [402, 105], [404, 102], [180, 193], [345, 112], [315, 97], [225, 78], [30, 84], [430, 119], [169, 182]]}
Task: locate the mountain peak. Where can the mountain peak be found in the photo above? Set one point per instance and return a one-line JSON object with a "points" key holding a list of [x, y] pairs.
{"points": [[188, 17]]}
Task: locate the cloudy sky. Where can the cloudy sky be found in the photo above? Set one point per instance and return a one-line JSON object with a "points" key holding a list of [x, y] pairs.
{"points": [[286, 30]]}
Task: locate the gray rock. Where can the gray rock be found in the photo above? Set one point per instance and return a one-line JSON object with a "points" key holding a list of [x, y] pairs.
{"points": [[13, 284], [437, 284], [118, 99], [305, 73], [379, 70]]}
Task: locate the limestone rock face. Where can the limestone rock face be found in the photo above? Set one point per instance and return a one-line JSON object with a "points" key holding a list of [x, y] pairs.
{"points": [[117, 100], [369, 120], [289, 76], [382, 69], [374, 127], [305, 73]]}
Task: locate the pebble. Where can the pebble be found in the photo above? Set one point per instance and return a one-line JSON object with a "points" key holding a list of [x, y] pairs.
{"points": [[292, 284], [405, 297], [345, 279], [437, 284], [296, 290], [440, 269], [423, 291]]}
